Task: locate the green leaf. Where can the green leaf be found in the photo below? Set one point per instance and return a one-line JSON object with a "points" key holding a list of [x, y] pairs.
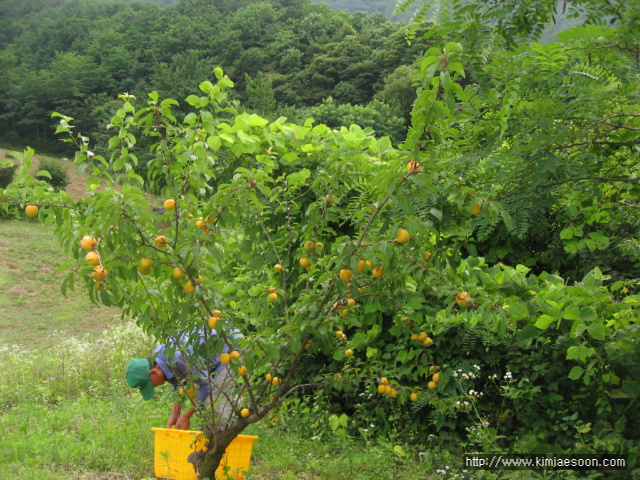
{"points": [[597, 330], [572, 313], [43, 173], [544, 321], [576, 372], [525, 337]]}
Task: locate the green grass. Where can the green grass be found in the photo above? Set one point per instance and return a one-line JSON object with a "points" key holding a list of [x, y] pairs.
{"points": [[34, 312]]}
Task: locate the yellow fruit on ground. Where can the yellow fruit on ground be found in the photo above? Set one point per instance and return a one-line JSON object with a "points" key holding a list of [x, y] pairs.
{"points": [[225, 358], [31, 211], [305, 262], [436, 377], [351, 302], [381, 388], [144, 271], [275, 381], [308, 245], [177, 273], [145, 262], [378, 272], [361, 266], [161, 241], [413, 396], [403, 236], [268, 377], [319, 246], [413, 167], [427, 341], [212, 322], [462, 299], [476, 209], [87, 243], [92, 258], [432, 385], [348, 352], [345, 275], [277, 267], [242, 371], [169, 204], [272, 297], [244, 413], [99, 273], [189, 287]]}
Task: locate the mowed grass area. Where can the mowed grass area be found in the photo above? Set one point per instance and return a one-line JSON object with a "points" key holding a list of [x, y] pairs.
{"points": [[34, 311]]}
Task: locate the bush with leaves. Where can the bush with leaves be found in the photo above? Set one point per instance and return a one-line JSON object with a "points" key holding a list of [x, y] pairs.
{"points": [[57, 174]]}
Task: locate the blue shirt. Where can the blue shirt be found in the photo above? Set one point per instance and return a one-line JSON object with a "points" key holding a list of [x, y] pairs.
{"points": [[175, 370]]}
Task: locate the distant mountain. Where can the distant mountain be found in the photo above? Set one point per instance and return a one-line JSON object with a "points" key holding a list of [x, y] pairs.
{"points": [[386, 7]]}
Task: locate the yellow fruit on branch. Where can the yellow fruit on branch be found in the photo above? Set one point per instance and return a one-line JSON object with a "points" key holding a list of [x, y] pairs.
{"points": [[345, 275], [344, 313], [309, 245], [394, 392], [225, 358], [144, 271], [217, 313], [234, 354], [189, 287], [319, 246], [476, 209], [199, 280], [422, 336], [381, 388], [378, 272], [427, 256], [361, 266], [436, 377], [305, 262], [413, 167], [99, 273], [351, 302], [462, 299], [177, 273], [272, 289], [272, 297], [92, 258], [275, 381], [403, 236], [268, 377], [87, 243], [169, 204], [244, 413], [432, 385], [427, 342], [277, 267], [161, 241], [242, 371], [31, 211], [99, 286], [384, 380], [339, 334], [414, 397], [212, 322], [145, 262], [348, 352]]}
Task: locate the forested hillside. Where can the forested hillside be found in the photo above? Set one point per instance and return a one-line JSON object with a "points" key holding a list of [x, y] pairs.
{"points": [[76, 56]]}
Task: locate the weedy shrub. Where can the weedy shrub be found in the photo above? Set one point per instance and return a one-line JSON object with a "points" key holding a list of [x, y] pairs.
{"points": [[58, 175], [7, 169]]}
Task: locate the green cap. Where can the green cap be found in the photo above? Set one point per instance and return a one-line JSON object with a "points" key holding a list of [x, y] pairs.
{"points": [[138, 377]]}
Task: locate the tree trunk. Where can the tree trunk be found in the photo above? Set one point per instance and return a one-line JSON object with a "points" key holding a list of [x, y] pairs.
{"points": [[207, 461]]}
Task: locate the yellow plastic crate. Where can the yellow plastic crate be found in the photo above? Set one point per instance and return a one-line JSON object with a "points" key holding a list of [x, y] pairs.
{"points": [[173, 447]]}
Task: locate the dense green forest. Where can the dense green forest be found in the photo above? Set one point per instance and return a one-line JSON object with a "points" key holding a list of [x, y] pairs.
{"points": [[285, 57]]}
